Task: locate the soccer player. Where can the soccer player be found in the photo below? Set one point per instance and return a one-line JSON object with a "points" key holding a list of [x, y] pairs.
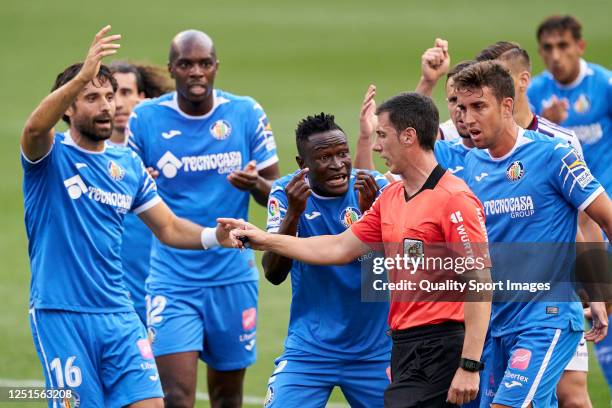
{"points": [[434, 362], [572, 388], [134, 84], [531, 186], [213, 150], [577, 95], [77, 190], [334, 338]]}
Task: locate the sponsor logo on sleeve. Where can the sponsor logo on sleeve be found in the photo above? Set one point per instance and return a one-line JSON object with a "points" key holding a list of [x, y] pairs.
{"points": [[274, 212], [574, 166]]}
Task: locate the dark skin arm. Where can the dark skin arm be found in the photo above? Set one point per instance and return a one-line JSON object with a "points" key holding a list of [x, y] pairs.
{"points": [[258, 183], [277, 267]]}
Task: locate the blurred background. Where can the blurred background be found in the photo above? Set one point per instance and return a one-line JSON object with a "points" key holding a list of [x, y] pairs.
{"points": [[295, 58]]}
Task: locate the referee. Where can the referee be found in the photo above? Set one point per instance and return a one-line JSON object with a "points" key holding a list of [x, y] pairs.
{"points": [[437, 346]]}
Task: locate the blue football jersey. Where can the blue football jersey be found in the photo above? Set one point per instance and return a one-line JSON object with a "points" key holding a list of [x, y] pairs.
{"points": [[135, 257], [531, 195], [194, 156], [589, 113], [328, 318], [75, 204], [450, 154]]}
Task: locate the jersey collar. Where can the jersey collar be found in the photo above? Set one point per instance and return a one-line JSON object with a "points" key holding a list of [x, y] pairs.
{"points": [[69, 141], [431, 182], [520, 140], [584, 71], [173, 104]]}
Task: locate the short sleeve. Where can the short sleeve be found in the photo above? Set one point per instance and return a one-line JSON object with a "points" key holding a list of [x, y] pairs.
{"points": [[146, 196], [135, 134], [381, 180], [572, 178], [37, 165], [368, 228], [261, 138], [463, 224], [277, 207]]}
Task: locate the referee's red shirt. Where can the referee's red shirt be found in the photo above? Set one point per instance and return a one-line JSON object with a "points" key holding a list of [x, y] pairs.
{"points": [[429, 216]]}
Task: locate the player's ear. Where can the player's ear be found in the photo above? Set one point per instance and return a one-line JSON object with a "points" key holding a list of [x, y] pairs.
{"points": [[299, 161], [508, 107], [524, 79], [70, 111], [581, 46], [170, 70], [408, 136]]}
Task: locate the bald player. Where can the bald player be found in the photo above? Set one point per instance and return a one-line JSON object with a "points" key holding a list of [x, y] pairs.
{"points": [[213, 150]]}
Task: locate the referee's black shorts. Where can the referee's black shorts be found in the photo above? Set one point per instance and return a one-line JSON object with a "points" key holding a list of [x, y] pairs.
{"points": [[424, 360]]}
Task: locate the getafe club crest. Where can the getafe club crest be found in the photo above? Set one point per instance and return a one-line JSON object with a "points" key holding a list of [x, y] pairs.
{"points": [[582, 104], [515, 171], [221, 129], [115, 171], [349, 216]]}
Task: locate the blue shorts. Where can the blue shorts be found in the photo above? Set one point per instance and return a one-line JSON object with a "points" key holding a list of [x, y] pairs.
{"points": [[104, 358], [525, 367], [603, 352], [219, 322], [307, 384]]}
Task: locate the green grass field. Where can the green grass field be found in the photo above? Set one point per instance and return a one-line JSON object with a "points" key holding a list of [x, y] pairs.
{"points": [[296, 58]]}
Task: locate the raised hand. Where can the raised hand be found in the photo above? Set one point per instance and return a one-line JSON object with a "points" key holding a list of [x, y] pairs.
{"points": [[366, 186], [298, 192], [102, 46], [556, 111], [245, 179], [435, 61], [367, 116]]}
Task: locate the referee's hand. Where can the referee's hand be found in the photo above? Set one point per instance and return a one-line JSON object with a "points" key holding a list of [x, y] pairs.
{"points": [[464, 387]]}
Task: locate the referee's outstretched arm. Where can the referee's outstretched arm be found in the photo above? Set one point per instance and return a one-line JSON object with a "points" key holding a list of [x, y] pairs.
{"points": [[321, 250]]}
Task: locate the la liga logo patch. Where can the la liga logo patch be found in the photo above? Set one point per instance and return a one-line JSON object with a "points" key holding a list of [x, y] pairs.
{"points": [[221, 129], [116, 172], [349, 216], [515, 171]]}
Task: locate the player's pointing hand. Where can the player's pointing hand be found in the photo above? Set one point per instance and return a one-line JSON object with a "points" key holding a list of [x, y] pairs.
{"points": [[102, 46], [298, 192]]}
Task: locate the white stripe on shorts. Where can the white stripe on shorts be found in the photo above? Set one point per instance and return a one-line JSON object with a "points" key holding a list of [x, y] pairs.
{"points": [[536, 382], [42, 350]]}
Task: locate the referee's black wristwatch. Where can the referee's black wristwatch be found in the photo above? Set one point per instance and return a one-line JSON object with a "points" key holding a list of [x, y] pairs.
{"points": [[470, 365]]}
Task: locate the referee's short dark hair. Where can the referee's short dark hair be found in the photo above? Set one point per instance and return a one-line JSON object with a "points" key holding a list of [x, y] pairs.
{"points": [[412, 110]]}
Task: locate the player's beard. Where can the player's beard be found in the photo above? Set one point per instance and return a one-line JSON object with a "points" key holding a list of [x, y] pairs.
{"points": [[89, 129]]}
